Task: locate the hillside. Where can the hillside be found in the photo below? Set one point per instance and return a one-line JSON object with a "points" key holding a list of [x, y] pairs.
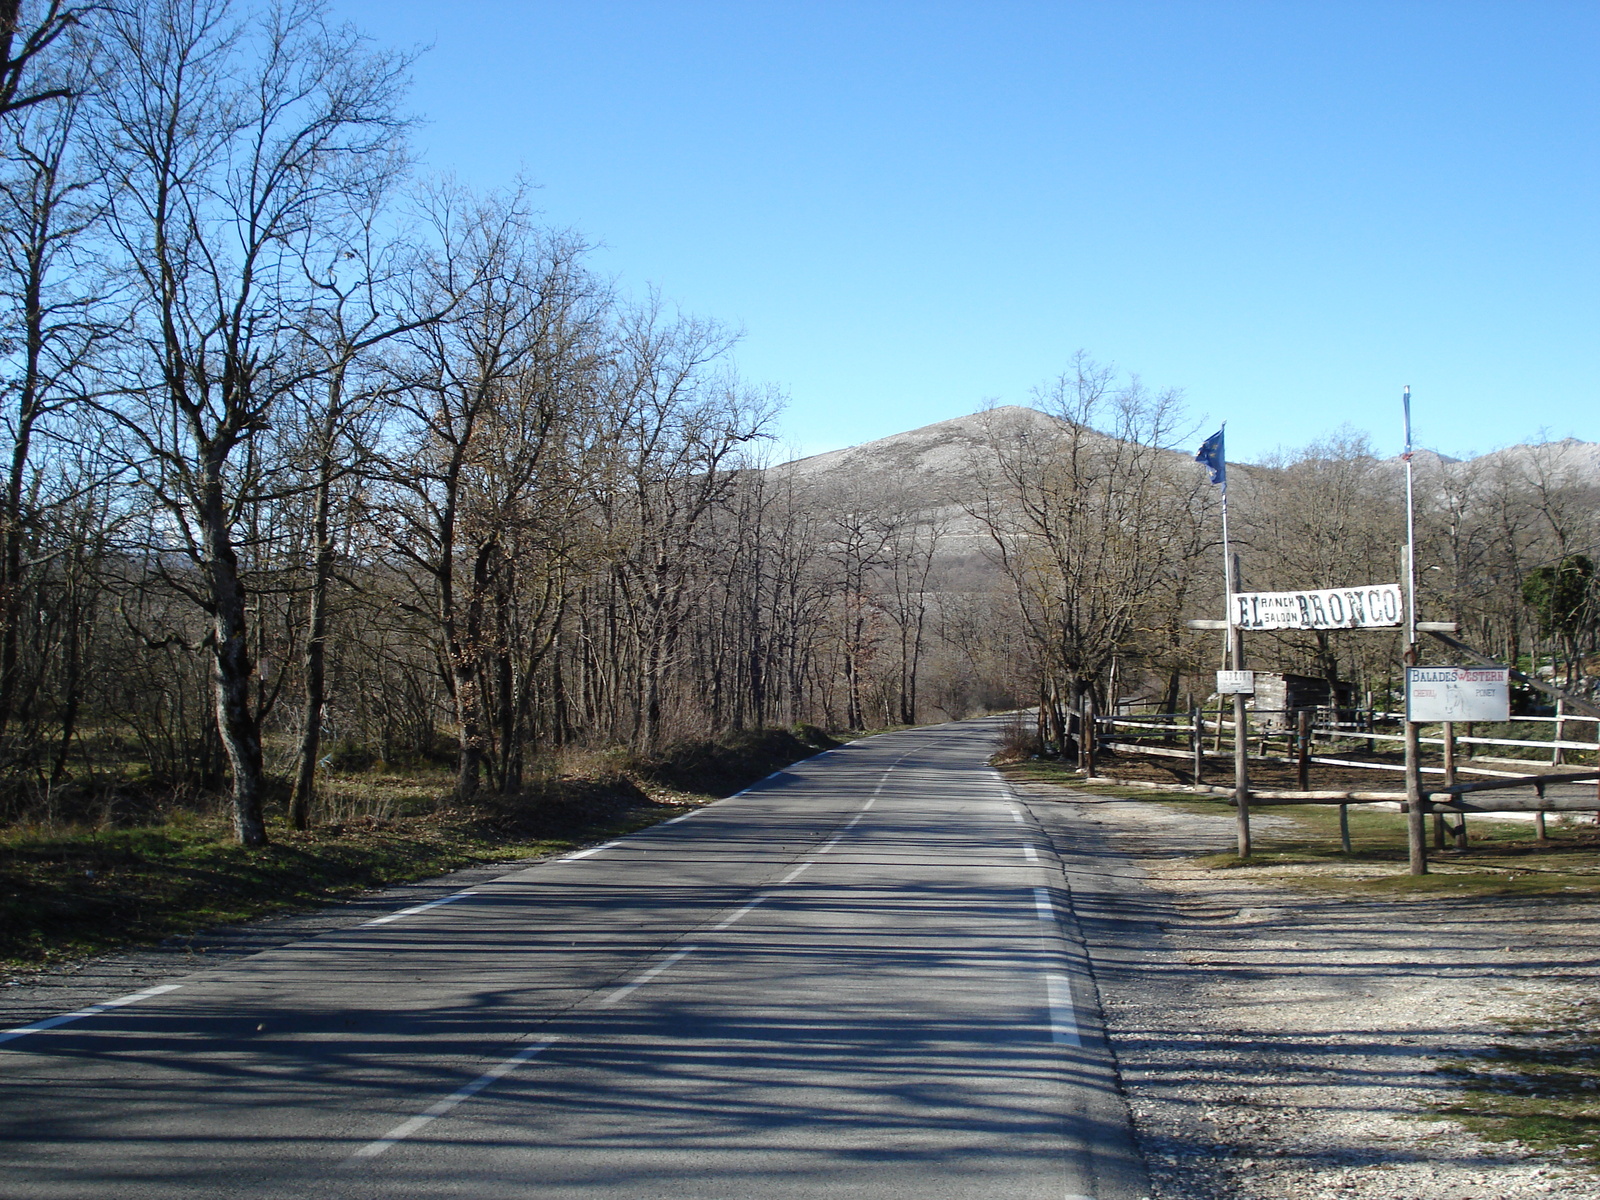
{"points": [[939, 459]]}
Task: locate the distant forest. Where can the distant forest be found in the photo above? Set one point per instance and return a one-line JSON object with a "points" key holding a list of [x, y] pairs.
{"points": [[316, 462]]}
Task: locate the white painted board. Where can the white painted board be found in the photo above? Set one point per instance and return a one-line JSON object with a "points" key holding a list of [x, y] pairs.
{"points": [[1458, 694], [1233, 682], [1376, 606]]}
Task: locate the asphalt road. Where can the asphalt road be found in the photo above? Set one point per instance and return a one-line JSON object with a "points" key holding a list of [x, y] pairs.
{"points": [[860, 978]]}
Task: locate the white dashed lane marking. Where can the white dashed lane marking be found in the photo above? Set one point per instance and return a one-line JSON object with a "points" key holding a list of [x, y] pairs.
{"points": [[645, 977], [433, 1112], [1063, 1016]]}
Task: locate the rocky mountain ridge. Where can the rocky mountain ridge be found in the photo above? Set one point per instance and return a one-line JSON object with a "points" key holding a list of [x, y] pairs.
{"points": [[952, 449]]}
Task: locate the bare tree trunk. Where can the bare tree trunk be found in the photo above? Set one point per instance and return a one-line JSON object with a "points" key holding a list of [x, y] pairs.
{"points": [[236, 721], [469, 760], [468, 686], [315, 696]]}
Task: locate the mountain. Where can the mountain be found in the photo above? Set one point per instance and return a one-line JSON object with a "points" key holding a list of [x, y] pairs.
{"points": [[945, 449], [1569, 458], [936, 466], [943, 456]]}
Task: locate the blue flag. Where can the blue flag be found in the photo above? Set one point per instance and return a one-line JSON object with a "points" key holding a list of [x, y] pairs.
{"points": [[1211, 457]]}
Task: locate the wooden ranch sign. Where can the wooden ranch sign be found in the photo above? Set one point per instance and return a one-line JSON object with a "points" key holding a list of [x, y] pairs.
{"points": [[1377, 606]]}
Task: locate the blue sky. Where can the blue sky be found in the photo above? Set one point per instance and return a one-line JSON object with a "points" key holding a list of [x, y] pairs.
{"points": [[1287, 210]]}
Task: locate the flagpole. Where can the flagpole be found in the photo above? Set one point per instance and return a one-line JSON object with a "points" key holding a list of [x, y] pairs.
{"points": [[1416, 826], [1213, 453], [1411, 533], [1230, 652]]}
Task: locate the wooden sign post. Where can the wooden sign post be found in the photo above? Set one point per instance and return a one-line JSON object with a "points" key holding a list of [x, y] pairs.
{"points": [[1241, 684]]}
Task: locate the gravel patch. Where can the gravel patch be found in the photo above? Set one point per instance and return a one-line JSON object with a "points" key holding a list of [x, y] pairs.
{"points": [[1275, 1043]]}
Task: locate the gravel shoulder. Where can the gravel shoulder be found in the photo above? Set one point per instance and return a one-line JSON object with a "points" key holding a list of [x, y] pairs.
{"points": [[1275, 1042]]}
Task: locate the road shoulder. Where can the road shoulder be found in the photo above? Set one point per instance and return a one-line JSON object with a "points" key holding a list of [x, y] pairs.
{"points": [[1274, 1043]]}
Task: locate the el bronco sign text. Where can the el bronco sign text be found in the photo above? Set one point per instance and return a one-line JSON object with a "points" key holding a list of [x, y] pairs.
{"points": [[1377, 606]]}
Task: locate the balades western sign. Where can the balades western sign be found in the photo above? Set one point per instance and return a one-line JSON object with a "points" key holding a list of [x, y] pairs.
{"points": [[1378, 606]]}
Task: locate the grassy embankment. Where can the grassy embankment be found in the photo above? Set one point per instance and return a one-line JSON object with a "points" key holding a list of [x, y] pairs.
{"points": [[66, 892], [1541, 1086]]}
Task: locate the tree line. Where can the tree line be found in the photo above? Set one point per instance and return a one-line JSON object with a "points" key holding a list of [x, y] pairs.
{"points": [[317, 461], [1109, 536]]}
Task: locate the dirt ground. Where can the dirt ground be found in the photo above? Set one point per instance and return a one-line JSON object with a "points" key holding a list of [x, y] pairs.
{"points": [[1279, 1043]]}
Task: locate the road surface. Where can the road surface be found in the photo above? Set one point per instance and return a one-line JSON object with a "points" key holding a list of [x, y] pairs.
{"points": [[860, 978]]}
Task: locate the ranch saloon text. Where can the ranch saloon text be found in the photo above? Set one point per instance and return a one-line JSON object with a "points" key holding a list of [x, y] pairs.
{"points": [[1376, 606]]}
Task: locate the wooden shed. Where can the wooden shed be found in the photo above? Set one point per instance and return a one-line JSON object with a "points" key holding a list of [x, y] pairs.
{"points": [[1278, 695]]}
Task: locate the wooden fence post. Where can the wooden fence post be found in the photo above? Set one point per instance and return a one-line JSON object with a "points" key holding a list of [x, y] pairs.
{"points": [[1416, 821], [1197, 744], [1450, 779], [1086, 735], [1241, 750], [1303, 748]]}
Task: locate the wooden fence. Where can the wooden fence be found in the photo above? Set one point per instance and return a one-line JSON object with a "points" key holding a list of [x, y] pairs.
{"points": [[1156, 734]]}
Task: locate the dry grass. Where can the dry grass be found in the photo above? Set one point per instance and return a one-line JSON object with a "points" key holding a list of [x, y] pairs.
{"points": [[81, 887]]}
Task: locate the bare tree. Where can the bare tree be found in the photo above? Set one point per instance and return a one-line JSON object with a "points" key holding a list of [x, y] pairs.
{"points": [[485, 397], [232, 143], [52, 301], [23, 45], [358, 287], [1082, 511], [1325, 516], [677, 429]]}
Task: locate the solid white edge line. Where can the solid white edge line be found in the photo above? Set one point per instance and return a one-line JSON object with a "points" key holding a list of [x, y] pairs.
{"points": [[577, 854], [1063, 1015], [774, 775], [92, 1010], [741, 792], [674, 820], [1058, 986], [411, 912], [438, 1109], [640, 980]]}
